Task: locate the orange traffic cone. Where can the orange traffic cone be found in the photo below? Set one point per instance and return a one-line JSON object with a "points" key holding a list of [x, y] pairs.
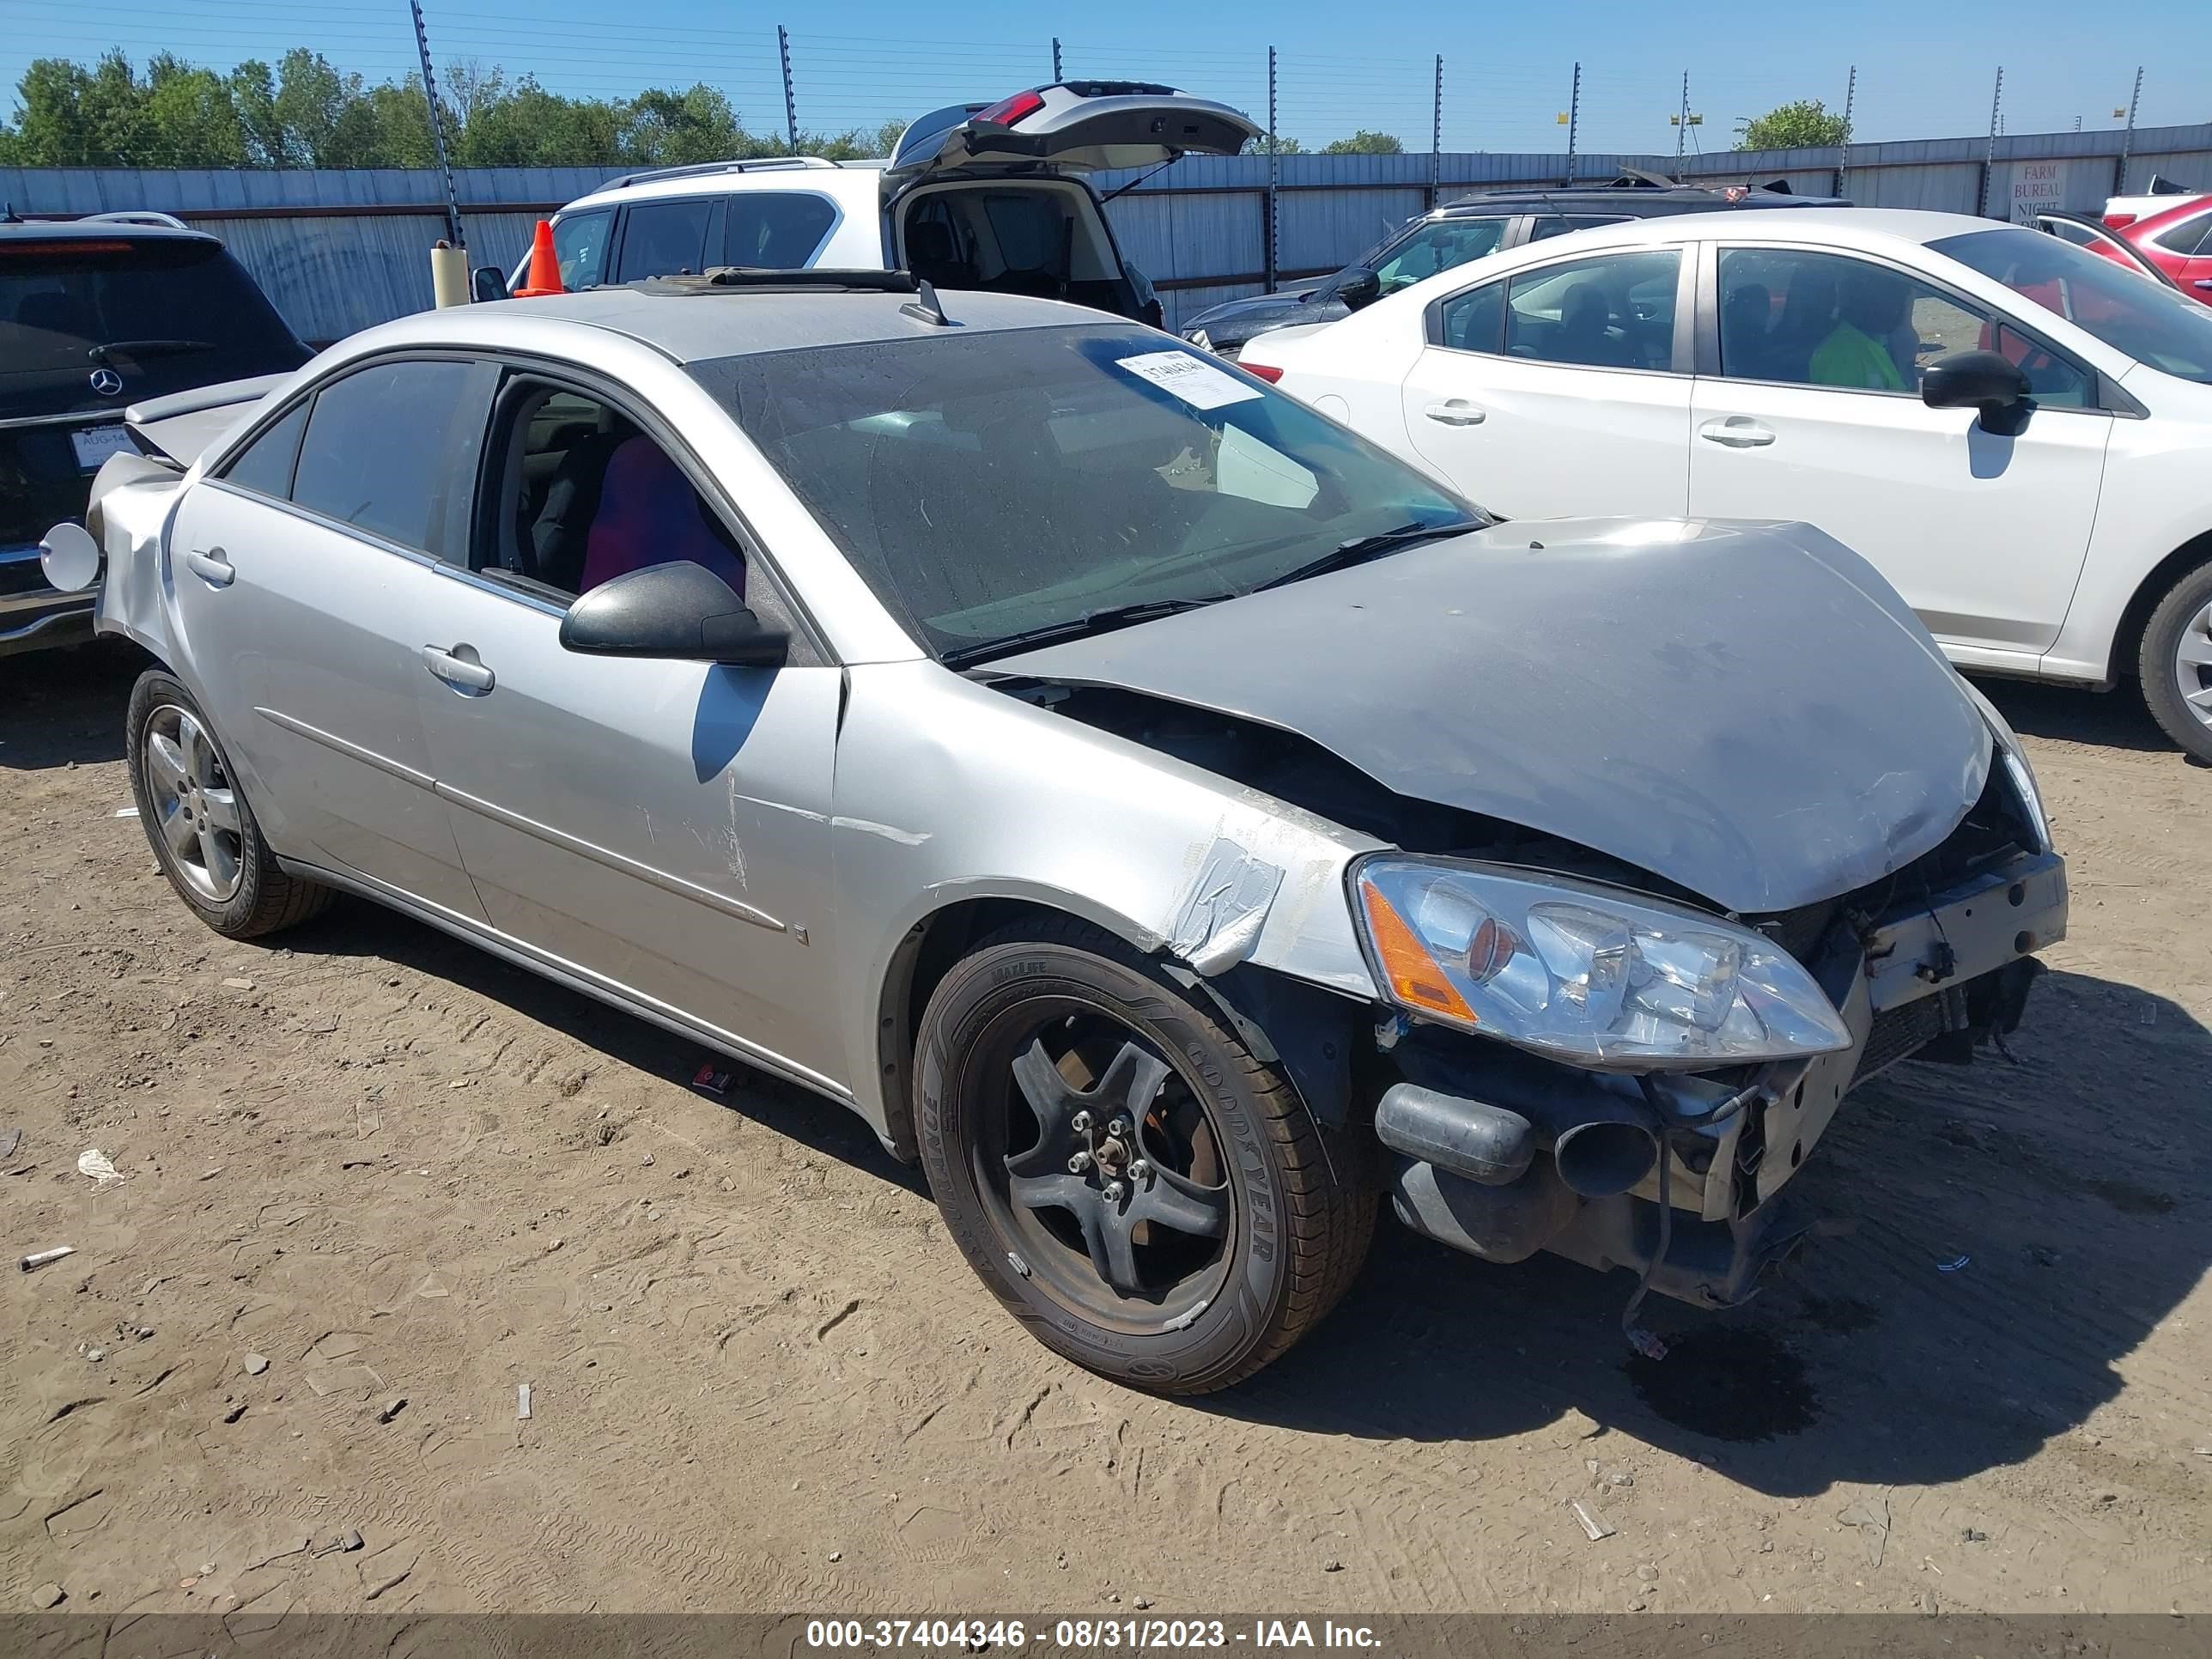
{"points": [[544, 276]]}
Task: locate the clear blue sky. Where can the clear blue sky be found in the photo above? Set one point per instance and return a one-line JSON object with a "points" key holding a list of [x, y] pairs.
{"points": [[1925, 67]]}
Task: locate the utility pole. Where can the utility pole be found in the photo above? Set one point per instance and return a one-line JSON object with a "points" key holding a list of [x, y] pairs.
{"points": [[2128, 137], [1436, 135], [1990, 157], [790, 101], [1682, 124], [437, 127], [1057, 77], [1574, 120], [1851, 95], [1274, 172]]}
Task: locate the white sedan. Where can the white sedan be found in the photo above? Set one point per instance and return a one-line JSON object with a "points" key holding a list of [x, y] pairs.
{"points": [[2013, 430]]}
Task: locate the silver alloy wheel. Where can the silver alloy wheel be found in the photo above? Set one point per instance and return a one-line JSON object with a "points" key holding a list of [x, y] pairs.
{"points": [[2192, 666], [195, 809]]}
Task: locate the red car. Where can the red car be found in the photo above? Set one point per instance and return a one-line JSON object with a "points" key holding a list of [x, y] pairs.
{"points": [[2174, 233]]}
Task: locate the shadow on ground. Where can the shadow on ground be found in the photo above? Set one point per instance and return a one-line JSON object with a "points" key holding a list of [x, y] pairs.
{"points": [[2111, 719], [65, 707]]}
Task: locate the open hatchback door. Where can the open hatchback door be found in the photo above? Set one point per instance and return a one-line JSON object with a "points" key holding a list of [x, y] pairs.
{"points": [[1077, 126]]}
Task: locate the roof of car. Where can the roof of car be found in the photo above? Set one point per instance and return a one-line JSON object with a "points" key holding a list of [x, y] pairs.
{"points": [[99, 230], [1847, 224], [841, 179], [693, 326]]}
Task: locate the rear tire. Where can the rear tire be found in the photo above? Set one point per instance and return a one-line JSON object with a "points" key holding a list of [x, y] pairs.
{"points": [[203, 835], [2175, 663], [1280, 1210]]}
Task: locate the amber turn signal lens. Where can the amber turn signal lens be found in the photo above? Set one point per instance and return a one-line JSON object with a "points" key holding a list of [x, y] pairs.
{"points": [[1414, 977]]}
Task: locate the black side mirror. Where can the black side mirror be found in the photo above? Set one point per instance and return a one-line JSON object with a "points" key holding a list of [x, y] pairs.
{"points": [[682, 612], [1980, 380], [1358, 287], [488, 283]]}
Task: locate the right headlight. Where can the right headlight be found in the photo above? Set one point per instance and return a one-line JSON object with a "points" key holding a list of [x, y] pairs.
{"points": [[1582, 972]]}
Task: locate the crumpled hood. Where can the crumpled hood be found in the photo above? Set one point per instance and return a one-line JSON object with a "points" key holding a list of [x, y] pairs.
{"points": [[1747, 710]]}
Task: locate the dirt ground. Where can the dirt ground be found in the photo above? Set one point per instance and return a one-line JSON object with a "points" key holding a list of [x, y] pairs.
{"points": [[761, 1378]]}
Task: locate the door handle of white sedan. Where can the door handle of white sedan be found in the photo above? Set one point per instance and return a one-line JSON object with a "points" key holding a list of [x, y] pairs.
{"points": [[462, 673], [1456, 411], [1737, 432], [211, 566]]}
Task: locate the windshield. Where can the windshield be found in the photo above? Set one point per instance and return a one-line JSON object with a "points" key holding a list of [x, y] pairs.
{"points": [[991, 485], [2148, 321]]}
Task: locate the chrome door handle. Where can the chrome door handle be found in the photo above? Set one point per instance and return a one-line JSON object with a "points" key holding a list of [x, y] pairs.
{"points": [[1457, 411], [211, 566], [2204, 283], [460, 673], [1737, 432]]}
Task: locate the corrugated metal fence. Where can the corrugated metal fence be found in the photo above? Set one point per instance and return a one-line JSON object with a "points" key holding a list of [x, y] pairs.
{"points": [[339, 250]]}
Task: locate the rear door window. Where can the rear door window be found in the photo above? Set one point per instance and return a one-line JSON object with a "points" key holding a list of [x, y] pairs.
{"points": [[2189, 236], [662, 239], [265, 464], [391, 448], [1615, 310], [780, 230]]}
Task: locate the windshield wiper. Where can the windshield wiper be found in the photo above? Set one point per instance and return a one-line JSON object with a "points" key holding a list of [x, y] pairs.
{"points": [[1102, 621], [1360, 549], [114, 349]]}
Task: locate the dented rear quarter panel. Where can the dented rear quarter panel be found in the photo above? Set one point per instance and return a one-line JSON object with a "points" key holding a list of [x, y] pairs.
{"points": [[948, 792]]}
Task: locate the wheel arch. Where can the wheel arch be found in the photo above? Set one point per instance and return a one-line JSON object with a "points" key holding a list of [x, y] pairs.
{"points": [[1314, 1030], [2157, 582], [925, 953]]}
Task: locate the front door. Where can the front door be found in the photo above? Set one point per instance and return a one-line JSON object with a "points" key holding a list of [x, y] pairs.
{"points": [[1554, 391], [1814, 415], [306, 570], [660, 827]]}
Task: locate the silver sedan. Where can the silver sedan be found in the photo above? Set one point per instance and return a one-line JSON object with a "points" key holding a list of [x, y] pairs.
{"points": [[1173, 821]]}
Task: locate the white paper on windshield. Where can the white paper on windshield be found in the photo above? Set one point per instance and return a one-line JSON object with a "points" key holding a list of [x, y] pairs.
{"points": [[1196, 381]]}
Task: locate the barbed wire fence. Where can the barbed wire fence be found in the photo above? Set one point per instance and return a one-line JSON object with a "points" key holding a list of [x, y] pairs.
{"points": [[792, 83]]}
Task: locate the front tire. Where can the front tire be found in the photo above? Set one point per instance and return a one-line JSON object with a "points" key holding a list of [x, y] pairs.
{"points": [[203, 835], [1143, 1192], [2175, 663]]}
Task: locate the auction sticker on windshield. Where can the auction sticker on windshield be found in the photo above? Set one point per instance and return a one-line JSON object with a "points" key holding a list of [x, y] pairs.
{"points": [[1197, 382], [95, 444]]}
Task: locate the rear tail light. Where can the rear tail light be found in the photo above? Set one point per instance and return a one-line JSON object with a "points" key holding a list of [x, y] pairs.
{"points": [[1267, 371], [2118, 221], [1012, 111]]}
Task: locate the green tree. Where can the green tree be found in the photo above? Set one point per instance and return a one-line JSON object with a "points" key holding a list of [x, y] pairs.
{"points": [[1805, 124], [1363, 142], [675, 129], [1283, 146], [191, 119]]}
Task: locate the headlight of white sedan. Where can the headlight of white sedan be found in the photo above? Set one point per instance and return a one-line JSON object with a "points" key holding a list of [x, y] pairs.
{"points": [[1583, 972]]}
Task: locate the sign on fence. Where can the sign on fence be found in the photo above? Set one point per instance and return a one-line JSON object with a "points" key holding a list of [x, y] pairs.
{"points": [[2036, 185]]}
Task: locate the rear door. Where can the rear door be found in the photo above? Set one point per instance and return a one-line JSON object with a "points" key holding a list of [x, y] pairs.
{"points": [[2184, 251], [1557, 390], [304, 585]]}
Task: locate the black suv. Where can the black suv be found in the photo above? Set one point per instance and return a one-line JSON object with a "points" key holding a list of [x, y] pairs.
{"points": [[96, 314], [1471, 228]]}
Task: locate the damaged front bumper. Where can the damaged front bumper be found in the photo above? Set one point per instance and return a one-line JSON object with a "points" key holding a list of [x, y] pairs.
{"points": [[1935, 977]]}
